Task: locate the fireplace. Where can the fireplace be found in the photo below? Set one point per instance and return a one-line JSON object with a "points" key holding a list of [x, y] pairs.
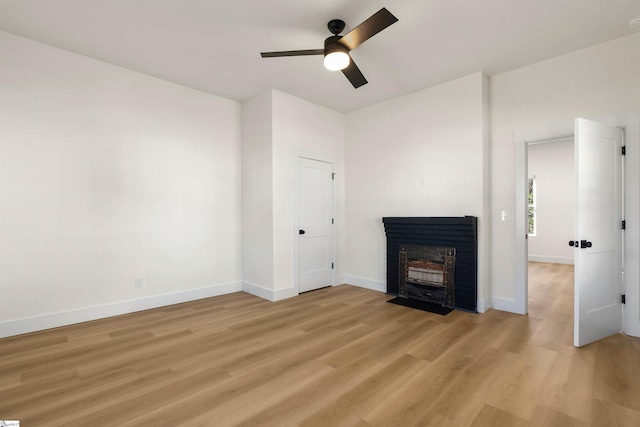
{"points": [[427, 273], [433, 259]]}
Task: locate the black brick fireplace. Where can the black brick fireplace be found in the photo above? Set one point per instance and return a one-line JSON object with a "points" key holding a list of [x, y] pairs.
{"points": [[433, 259]]}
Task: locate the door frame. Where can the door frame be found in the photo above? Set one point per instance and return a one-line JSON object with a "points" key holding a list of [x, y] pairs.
{"points": [[627, 121], [299, 153], [522, 140]]}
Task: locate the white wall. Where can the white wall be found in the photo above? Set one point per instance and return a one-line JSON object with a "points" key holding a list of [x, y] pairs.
{"points": [[592, 82], [279, 125], [552, 165], [108, 175], [257, 194], [422, 154]]}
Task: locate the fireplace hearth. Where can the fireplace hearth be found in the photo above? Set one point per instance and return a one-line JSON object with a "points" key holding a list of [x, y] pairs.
{"points": [[433, 260]]}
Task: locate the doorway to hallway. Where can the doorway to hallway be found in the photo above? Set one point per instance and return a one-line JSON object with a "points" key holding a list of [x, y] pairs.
{"points": [[598, 216]]}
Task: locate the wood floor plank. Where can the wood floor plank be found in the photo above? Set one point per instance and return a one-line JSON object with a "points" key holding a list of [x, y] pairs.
{"points": [[556, 328], [464, 399], [156, 397], [518, 388], [478, 339], [609, 414], [33, 399], [516, 333], [377, 344], [15, 346], [84, 404], [411, 401], [569, 387], [617, 372], [292, 408], [350, 407], [437, 343], [548, 417], [490, 416], [260, 398], [341, 317]]}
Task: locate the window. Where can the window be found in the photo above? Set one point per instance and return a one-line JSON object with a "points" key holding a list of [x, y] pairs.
{"points": [[532, 206]]}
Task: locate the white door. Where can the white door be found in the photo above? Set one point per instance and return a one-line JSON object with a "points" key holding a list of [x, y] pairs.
{"points": [[315, 263], [598, 232]]}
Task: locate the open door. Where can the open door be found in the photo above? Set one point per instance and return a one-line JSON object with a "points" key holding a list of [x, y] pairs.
{"points": [[598, 232]]}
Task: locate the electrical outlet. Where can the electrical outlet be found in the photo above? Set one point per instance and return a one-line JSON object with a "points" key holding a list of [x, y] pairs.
{"points": [[138, 282]]}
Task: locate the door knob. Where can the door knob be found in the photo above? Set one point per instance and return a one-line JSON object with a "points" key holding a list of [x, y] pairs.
{"points": [[585, 244], [301, 231]]}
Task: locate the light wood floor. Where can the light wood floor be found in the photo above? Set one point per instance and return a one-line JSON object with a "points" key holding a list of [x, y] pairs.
{"points": [[333, 357]]}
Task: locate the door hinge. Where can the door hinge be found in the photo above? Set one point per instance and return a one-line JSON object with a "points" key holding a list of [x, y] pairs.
{"points": [[624, 224], [624, 150], [332, 266], [333, 175], [334, 223], [624, 298]]}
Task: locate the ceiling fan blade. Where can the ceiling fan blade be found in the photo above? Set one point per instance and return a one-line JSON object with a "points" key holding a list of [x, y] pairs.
{"points": [[355, 76], [369, 28], [292, 53]]}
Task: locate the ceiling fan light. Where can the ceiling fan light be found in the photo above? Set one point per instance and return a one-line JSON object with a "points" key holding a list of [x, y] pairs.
{"points": [[336, 60]]}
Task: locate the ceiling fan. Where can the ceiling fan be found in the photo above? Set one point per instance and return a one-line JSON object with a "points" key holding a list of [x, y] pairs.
{"points": [[337, 47]]}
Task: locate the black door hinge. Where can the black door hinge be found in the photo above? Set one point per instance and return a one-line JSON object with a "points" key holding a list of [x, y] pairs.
{"points": [[624, 298], [332, 266], [624, 150], [624, 224], [333, 175], [334, 223]]}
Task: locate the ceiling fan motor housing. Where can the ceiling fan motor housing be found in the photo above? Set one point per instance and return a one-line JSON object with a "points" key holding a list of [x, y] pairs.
{"points": [[332, 44], [336, 26]]}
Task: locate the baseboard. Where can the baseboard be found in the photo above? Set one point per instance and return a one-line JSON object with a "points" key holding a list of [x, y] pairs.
{"points": [[551, 259], [341, 280], [483, 305], [504, 304], [365, 283], [257, 290], [55, 320], [268, 294], [280, 294]]}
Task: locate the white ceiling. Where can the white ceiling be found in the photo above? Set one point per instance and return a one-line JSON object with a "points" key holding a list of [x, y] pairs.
{"points": [[214, 45]]}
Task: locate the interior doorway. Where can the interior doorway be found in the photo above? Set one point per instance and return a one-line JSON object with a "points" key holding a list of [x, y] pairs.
{"points": [[551, 201], [523, 139], [551, 205], [598, 211]]}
